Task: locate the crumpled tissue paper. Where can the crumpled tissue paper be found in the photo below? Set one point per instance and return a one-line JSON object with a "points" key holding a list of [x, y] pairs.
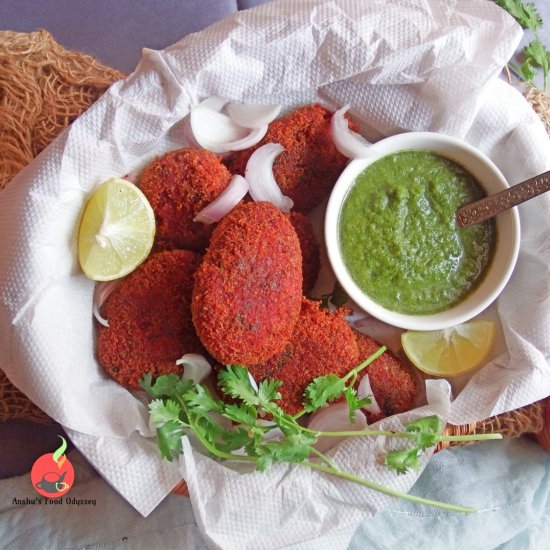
{"points": [[402, 65]]}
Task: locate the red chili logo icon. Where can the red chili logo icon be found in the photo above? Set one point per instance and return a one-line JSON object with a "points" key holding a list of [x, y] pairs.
{"points": [[52, 474]]}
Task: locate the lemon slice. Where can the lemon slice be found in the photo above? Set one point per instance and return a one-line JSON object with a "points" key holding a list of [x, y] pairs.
{"points": [[116, 232], [451, 351]]}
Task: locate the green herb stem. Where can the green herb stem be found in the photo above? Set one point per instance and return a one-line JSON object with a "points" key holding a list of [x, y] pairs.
{"points": [[324, 458], [221, 454], [207, 445], [359, 433], [404, 435], [387, 490], [365, 363], [353, 373]]}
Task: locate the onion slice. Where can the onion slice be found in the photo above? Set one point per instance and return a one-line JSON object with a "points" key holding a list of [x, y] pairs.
{"points": [[214, 130], [225, 202], [239, 127], [188, 136], [349, 143], [215, 103], [195, 367], [364, 390], [249, 140], [334, 418], [252, 116], [101, 293], [259, 174], [253, 382]]}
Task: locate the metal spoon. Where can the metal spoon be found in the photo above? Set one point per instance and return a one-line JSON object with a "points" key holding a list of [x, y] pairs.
{"points": [[490, 206]]}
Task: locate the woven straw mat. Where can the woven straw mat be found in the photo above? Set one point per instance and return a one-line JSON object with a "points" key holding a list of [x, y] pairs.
{"points": [[43, 88]]}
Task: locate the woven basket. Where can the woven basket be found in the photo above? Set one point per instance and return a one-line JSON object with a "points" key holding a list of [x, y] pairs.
{"points": [[43, 88]]}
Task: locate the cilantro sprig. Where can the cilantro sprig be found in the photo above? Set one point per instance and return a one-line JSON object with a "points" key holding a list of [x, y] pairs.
{"points": [[535, 53], [182, 407]]}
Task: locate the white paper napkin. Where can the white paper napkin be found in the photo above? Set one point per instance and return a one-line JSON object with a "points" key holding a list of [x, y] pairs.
{"points": [[403, 65]]}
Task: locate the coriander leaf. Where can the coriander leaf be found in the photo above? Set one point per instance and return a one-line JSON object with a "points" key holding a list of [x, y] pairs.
{"points": [[321, 390], [168, 385], [526, 71], [267, 391], [169, 439], [242, 413], [208, 428], [428, 424], [235, 382], [536, 51], [234, 439], [200, 400], [164, 411], [278, 414], [354, 403], [525, 14], [294, 448], [426, 430], [146, 383], [264, 459], [402, 460]]}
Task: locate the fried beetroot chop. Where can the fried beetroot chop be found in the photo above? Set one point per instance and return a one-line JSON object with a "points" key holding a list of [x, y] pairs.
{"points": [[322, 343], [179, 185], [392, 385], [149, 318], [310, 164], [248, 287]]}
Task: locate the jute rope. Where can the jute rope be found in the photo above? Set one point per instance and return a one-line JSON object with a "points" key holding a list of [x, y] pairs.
{"points": [[43, 88]]}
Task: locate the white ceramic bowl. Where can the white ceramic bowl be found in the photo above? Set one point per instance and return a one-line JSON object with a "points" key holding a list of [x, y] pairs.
{"points": [[507, 230]]}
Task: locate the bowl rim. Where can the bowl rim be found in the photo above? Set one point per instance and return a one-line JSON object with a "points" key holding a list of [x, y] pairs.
{"points": [[507, 241]]}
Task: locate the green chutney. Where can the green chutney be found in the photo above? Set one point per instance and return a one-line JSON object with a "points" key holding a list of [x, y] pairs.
{"points": [[399, 238]]}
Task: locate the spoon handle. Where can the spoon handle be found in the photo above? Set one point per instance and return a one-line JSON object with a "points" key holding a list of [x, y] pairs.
{"points": [[486, 208]]}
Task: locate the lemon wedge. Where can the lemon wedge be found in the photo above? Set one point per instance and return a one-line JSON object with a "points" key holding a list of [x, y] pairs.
{"points": [[451, 351], [116, 231]]}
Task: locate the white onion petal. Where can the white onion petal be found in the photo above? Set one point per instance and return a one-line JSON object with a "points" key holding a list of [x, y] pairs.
{"points": [[195, 367], [252, 116], [364, 390], [219, 132], [101, 293], [224, 202], [334, 418], [188, 137], [349, 143], [259, 174], [215, 103], [253, 382], [213, 130], [247, 141]]}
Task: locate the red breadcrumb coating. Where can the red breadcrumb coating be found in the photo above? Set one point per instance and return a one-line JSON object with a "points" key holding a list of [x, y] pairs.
{"points": [[392, 385], [309, 166], [322, 343], [248, 288], [179, 185], [149, 317], [310, 250]]}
